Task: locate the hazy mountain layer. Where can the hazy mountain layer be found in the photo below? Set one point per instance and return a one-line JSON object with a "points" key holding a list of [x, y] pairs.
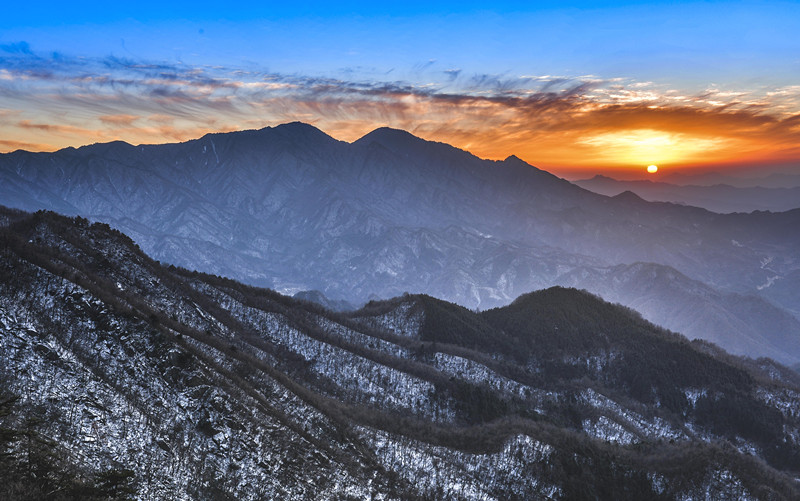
{"points": [[121, 377], [717, 198], [742, 324], [788, 179], [291, 208]]}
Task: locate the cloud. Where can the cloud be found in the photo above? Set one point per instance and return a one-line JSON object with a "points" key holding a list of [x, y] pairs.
{"points": [[161, 119], [17, 48], [11, 145], [53, 128], [452, 74], [119, 120]]}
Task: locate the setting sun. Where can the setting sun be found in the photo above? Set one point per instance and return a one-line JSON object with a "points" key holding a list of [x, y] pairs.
{"points": [[652, 169]]}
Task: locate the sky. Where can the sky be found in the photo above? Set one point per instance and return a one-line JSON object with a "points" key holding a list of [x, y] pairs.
{"points": [[576, 88]]}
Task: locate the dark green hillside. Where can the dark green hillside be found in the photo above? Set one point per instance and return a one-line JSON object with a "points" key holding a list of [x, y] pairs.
{"points": [[570, 338], [562, 328], [450, 323], [560, 324]]}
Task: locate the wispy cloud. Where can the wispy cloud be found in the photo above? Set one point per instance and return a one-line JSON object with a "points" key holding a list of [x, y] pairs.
{"points": [[122, 120], [16, 48], [9, 145], [554, 121], [54, 128]]}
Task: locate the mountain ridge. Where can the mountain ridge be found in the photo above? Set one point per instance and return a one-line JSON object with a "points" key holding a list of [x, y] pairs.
{"points": [[164, 382], [275, 209], [724, 198]]}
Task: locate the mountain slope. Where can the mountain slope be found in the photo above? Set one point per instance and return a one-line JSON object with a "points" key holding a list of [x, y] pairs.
{"points": [[293, 209], [177, 385], [745, 325]]}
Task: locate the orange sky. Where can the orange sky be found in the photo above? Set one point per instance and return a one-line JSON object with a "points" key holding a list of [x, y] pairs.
{"points": [[572, 140], [572, 127]]}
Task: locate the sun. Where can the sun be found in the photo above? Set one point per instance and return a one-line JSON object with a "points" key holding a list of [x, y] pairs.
{"points": [[652, 169]]}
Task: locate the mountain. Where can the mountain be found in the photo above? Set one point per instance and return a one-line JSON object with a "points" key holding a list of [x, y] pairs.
{"points": [[717, 198], [743, 324], [322, 300], [125, 378], [788, 179], [293, 209]]}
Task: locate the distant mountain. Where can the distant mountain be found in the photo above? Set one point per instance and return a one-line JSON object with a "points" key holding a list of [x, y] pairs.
{"points": [[123, 378], [787, 179], [291, 208], [717, 198], [743, 324], [322, 300]]}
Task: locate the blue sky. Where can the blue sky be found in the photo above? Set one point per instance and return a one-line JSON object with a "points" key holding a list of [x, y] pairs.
{"points": [[73, 71], [695, 43]]}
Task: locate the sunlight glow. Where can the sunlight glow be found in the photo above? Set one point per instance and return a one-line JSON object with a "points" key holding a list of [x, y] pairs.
{"points": [[631, 147]]}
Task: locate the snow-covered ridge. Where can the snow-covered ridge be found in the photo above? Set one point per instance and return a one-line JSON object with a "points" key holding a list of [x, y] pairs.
{"points": [[201, 385]]}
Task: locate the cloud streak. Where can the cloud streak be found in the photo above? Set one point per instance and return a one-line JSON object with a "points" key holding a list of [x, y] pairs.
{"points": [[557, 122]]}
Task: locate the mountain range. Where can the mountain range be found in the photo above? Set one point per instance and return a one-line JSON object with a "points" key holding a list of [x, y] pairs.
{"points": [[293, 209], [124, 378], [789, 178], [716, 198]]}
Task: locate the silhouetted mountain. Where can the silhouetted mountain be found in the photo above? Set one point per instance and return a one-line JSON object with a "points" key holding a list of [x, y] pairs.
{"points": [[291, 208], [717, 198], [122, 377]]}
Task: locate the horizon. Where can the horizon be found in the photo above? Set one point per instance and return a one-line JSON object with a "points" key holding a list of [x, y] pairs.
{"points": [[577, 90], [571, 175]]}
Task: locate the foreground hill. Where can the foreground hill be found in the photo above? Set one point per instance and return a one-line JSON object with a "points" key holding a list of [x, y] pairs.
{"points": [[122, 377], [293, 209]]}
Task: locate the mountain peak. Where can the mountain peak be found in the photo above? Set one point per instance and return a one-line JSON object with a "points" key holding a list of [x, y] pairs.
{"points": [[628, 196], [112, 147], [555, 295], [297, 127], [388, 137], [293, 131]]}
